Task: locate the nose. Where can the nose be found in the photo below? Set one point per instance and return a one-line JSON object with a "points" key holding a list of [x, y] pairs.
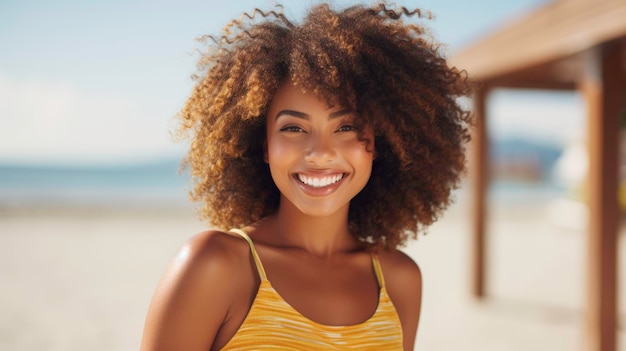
{"points": [[320, 150]]}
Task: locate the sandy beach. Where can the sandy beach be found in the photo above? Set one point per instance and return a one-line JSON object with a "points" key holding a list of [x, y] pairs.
{"points": [[82, 279]]}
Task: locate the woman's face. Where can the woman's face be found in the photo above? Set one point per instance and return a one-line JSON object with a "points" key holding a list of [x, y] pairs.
{"points": [[315, 156]]}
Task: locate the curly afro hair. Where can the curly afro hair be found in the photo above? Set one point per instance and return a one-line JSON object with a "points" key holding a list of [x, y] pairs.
{"points": [[391, 73]]}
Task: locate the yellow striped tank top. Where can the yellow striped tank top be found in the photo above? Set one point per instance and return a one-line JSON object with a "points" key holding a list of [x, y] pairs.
{"points": [[272, 324]]}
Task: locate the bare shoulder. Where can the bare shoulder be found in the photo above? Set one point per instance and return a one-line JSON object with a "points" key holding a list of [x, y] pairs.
{"points": [[192, 299], [212, 246], [399, 268], [211, 256], [403, 280]]}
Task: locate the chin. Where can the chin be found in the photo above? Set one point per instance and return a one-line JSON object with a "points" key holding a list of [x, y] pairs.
{"points": [[319, 210]]}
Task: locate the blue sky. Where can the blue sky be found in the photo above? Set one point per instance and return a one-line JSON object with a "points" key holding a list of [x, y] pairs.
{"points": [[94, 82]]}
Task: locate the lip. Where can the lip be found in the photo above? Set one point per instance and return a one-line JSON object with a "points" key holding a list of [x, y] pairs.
{"points": [[319, 191]]}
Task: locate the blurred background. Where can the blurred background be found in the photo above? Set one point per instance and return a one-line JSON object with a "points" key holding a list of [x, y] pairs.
{"points": [[92, 206]]}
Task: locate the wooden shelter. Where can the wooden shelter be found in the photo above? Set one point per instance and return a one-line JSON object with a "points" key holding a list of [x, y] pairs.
{"points": [[573, 45]]}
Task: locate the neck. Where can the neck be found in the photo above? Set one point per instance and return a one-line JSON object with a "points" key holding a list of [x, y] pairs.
{"points": [[320, 236]]}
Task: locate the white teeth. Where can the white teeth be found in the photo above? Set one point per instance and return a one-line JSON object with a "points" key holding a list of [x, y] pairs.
{"points": [[319, 182]]}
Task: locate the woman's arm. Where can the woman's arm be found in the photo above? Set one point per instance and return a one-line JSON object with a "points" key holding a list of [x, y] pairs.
{"points": [[193, 297], [404, 284]]}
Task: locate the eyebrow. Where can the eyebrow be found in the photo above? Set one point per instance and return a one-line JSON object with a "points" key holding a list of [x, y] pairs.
{"points": [[303, 115]]}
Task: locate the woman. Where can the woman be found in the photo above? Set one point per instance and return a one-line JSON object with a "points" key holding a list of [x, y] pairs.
{"points": [[328, 144]]}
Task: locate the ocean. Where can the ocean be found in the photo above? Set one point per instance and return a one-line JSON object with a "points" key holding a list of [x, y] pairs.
{"points": [[157, 184], [160, 184]]}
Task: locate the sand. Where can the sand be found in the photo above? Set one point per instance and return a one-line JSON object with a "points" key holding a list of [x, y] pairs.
{"points": [[83, 279]]}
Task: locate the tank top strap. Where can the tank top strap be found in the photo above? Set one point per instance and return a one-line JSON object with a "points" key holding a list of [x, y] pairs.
{"points": [[257, 260], [378, 270]]}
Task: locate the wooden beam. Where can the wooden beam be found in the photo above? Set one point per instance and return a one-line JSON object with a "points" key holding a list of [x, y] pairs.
{"points": [[480, 177], [601, 88], [528, 84], [563, 73], [557, 29]]}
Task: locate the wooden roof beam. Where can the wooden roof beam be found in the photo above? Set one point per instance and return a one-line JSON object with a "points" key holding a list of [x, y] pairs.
{"points": [[559, 29]]}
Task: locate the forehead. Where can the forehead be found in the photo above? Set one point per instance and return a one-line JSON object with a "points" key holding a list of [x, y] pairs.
{"points": [[291, 97]]}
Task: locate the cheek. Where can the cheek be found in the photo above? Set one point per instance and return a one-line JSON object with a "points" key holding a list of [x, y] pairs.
{"points": [[367, 161], [365, 147], [271, 145], [281, 153], [276, 150], [362, 156]]}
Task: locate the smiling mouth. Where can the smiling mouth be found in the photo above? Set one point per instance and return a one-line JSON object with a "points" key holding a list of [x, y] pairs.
{"points": [[320, 182]]}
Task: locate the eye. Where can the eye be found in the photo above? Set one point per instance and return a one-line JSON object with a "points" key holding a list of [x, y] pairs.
{"points": [[291, 129], [347, 128]]}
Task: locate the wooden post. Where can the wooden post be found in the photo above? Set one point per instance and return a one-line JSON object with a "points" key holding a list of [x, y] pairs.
{"points": [[480, 168], [601, 87]]}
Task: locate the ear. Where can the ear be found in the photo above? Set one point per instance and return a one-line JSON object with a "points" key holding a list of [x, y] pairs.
{"points": [[266, 158]]}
